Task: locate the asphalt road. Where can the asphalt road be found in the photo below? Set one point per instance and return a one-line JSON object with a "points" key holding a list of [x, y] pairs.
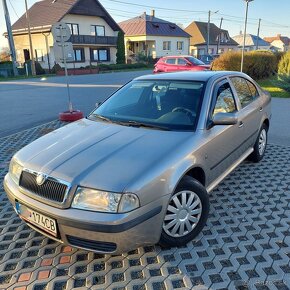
{"points": [[28, 103]]}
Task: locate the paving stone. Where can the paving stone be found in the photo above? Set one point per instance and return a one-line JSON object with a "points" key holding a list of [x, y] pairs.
{"points": [[245, 244]]}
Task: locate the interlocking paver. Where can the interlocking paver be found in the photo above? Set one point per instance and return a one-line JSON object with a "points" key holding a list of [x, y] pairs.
{"points": [[245, 244]]}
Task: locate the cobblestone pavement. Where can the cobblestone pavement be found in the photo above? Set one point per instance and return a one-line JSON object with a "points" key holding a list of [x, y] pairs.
{"points": [[245, 245]]}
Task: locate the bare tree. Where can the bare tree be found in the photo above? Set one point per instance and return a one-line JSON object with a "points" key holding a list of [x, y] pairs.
{"points": [[5, 54]]}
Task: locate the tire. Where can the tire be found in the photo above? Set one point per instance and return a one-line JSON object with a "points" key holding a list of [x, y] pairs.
{"points": [[192, 192], [262, 140]]}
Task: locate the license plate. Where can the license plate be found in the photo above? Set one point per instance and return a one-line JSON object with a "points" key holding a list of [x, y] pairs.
{"points": [[42, 221]]}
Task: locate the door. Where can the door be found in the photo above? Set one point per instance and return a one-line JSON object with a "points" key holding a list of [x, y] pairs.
{"points": [[250, 109], [170, 64], [26, 54], [224, 141]]}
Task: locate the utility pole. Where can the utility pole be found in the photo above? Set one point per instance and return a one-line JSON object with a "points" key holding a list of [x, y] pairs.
{"points": [[30, 40], [208, 31], [10, 37], [258, 34], [219, 36]]}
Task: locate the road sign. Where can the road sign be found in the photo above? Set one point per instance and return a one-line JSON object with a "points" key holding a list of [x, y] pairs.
{"points": [[61, 32], [63, 54]]}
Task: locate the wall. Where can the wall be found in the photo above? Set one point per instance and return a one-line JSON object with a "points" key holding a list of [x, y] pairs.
{"points": [[85, 23], [155, 44]]}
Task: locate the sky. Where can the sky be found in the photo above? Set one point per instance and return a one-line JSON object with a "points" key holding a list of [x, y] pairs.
{"points": [[274, 13]]}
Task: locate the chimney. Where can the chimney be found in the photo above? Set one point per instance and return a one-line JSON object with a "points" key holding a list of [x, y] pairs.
{"points": [[153, 13]]}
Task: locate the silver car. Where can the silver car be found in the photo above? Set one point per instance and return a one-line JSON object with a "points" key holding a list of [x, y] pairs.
{"points": [[139, 168]]}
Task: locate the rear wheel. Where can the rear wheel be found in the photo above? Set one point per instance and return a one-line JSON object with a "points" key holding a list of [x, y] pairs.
{"points": [[186, 213], [260, 145]]}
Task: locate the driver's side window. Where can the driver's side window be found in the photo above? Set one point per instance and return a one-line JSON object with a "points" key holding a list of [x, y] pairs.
{"points": [[225, 101]]}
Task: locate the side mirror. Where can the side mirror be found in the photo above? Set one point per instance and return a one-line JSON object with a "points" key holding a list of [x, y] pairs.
{"points": [[98, 104], [225, 119]]}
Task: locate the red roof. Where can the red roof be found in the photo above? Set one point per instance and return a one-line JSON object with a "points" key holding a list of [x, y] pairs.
{"points": [[284, 39]]}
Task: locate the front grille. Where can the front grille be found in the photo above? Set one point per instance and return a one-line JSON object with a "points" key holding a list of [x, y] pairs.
{"points": [[51, 189], [105, 247]]}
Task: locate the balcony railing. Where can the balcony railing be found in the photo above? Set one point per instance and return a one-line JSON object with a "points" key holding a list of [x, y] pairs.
{"points": [[91, 39]]}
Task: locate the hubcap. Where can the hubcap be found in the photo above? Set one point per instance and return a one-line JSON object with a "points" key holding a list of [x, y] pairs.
{"points": [[262, 141], [183, 214]]}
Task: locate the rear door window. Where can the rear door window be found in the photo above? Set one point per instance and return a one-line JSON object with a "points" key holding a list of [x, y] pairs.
{"points": [[243, 91], [171, 60]]}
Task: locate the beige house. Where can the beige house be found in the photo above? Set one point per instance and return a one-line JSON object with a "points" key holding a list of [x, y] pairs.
{"points": [[94, 32], [153, 37], [279, 43], [219, 39], [252, 42]]}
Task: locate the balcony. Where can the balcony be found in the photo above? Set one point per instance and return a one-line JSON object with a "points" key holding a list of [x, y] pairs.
{"points": [[91, 39]]}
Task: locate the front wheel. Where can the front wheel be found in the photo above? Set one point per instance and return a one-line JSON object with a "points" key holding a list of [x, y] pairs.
{"points": [[186, 214], [260, 145]]}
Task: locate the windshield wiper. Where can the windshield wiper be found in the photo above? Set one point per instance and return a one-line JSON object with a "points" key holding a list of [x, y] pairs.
{"points": [[140, 124], [103, 118]]}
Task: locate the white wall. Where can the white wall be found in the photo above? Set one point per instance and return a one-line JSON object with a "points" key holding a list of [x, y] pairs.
{"points": [[85, 23]]}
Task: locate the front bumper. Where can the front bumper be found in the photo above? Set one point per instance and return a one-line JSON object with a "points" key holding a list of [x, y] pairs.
{"points": [[94, 231]]}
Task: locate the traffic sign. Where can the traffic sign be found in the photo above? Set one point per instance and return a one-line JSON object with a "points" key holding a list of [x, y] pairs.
{"points": [[63, 54], [61, 32]]}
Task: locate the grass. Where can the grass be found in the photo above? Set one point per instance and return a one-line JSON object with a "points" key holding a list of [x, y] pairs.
{"points": [[270, 86], [24, 77]]}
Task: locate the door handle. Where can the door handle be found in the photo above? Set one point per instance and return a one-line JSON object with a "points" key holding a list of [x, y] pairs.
{"points": [[241, 124], [261, 109]]}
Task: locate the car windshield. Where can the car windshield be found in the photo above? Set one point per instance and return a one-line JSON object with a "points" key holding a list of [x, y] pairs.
{"points": [[194, 60], [163, 105]]}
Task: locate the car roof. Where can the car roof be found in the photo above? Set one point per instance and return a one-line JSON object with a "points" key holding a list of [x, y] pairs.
{"points": [[176, 56], [202, 76]]}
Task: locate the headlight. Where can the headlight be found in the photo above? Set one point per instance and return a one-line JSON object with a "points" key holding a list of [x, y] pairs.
{"points": [[15, 170], [103, 201]]}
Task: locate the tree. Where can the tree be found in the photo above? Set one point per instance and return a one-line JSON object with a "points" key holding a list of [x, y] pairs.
{"points": [[120, 48], [4, 54]]}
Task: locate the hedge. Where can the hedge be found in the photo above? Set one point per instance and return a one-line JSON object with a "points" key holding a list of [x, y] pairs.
{"points": [[257, 64], [284, 64], [110, 67]]}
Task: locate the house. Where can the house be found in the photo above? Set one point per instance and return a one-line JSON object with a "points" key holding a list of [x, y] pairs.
{"points": [[219, 39], [94, 32], [279, 43], [252, 42], [153, 37]]}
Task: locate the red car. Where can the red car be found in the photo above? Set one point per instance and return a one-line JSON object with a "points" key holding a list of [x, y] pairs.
{"points": [[179, 63]]}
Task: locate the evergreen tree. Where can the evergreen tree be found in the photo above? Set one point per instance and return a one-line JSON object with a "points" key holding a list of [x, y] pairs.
{"points": [[120, 48]]}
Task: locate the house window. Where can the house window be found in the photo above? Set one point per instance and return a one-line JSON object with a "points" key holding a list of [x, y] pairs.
{"points": [[166, 45], [179, 45], [100, 54], [74, 28], [38, 55], [79, 54], [97, 30]]}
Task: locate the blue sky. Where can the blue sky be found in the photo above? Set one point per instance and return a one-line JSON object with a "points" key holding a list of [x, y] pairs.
{"points": [[274, 14]]}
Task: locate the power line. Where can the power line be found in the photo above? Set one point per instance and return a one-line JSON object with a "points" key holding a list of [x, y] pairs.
{"points": [[13, 9]]}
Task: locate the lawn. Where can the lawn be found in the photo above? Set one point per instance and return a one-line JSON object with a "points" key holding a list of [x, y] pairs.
{"points": [[270, 86]]}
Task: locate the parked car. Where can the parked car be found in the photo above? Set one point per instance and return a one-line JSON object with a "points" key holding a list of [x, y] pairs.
{"points": [[139, 168], [179, 63]]}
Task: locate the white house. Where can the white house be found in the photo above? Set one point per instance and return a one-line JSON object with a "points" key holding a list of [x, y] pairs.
{"points": [[252, 42], [279, 43], [94, 32], [153, 37]]}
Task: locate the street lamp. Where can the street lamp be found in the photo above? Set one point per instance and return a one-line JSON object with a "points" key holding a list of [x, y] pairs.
{"points": [[245, 31]]}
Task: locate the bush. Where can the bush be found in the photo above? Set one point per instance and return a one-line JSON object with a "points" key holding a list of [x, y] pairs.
{"points": [[56, 68], [109, 67], [257, 64], [284, 64], [38, 68]]}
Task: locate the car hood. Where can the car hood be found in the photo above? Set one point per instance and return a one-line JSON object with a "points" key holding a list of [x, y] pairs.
{"points": [[100, 155]]}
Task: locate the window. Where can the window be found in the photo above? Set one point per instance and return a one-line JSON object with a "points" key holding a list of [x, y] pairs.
{"points": [[179, 45], [225, 102], [79, 54], [166, 45], [181, 61], [253, 89], [74, 28], [153, 103], [38, 55], [98, 30], [170, 60], [100, 54], [243, 90]]}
